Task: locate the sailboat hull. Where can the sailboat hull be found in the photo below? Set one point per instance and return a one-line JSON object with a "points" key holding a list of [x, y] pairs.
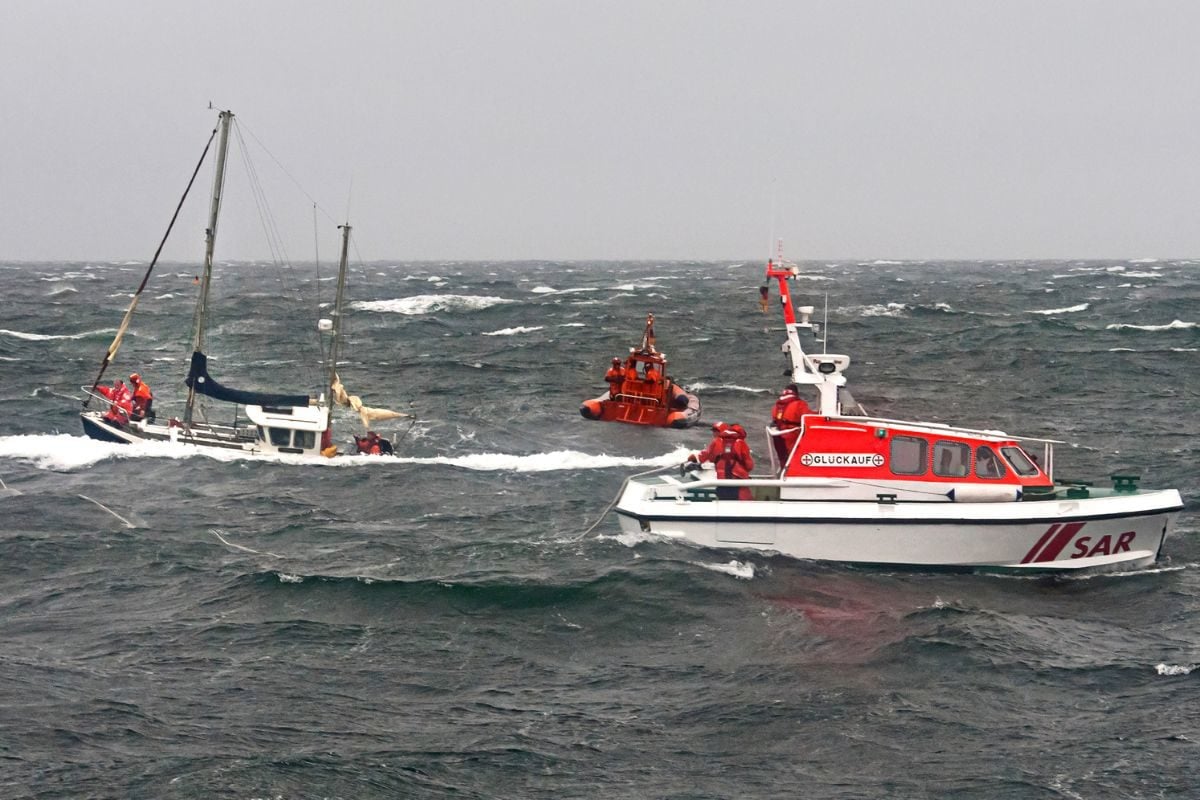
{"points": [[96, 428]]}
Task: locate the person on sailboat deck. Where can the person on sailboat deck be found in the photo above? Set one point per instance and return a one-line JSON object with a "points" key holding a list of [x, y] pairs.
{"points": [[613, 378], [122, 402], [143, 399]]}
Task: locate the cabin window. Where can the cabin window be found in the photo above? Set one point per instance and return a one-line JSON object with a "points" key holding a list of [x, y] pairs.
{"points": [[304, 439], [987, 463], [909, 455], [280, 437], [262, 437], [951, 459], [1020, 462]]}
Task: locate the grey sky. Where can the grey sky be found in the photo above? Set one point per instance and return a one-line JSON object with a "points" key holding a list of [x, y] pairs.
{"points": [[573, 130]]}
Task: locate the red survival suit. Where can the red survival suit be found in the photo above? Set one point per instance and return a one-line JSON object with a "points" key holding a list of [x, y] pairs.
{"points": [[122, 403], [786, 416], [614, 378], [730, 454]]}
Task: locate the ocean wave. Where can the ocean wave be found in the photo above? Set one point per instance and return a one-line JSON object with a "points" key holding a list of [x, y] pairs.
{"points": [[878, 310], [513, 331], [547, 462], [63, 452], [1175, 325], [633, 287], [61, 290], [38, 337], [426, 303], [1067, 310], [1143, 275], [1174, 669], [728, 387], [737, 569]]}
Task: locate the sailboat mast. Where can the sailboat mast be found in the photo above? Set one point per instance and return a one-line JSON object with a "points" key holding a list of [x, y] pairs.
{"points": [[210, 241], [339, 300]]}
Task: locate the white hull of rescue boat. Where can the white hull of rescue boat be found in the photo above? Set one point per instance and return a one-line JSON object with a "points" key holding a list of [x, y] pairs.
{"points": [[1119, 531]]}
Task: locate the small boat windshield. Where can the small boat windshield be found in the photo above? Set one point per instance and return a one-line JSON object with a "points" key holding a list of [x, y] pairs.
{"points": [[1022, 463]]}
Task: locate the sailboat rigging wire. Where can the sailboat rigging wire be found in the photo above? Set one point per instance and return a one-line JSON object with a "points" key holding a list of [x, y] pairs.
{"points": [[116, 343], [265, 218], [274, 238], [288, 174]]}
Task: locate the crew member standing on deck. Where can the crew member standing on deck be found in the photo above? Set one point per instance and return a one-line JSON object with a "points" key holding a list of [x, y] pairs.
{"points": [[614, 378], [730, 455], [143, 399], [786, 416]]}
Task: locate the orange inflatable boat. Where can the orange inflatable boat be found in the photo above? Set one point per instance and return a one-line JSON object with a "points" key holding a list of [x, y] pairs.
{"points": [[641, 393]]}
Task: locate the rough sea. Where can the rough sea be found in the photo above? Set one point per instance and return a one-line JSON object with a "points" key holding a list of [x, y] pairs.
{"points": [[453, 622]]}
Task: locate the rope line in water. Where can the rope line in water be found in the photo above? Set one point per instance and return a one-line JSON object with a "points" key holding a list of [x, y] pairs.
{"points": [[228, 543], [615, 500], [128, 524]]}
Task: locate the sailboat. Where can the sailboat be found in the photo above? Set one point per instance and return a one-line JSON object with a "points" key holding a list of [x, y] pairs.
{"points": [[275, 423]]}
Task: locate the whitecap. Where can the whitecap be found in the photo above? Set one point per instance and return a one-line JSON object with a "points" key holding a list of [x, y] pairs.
{"points": [[1143, 275], [547, 462], [38, 337], [737, 569], [879, 310], [573, 325], [1174, 669], [512, 331], [426, 303], [1067, 310], [732, 387], [1171, 326], [633, 287], [543, 290]]}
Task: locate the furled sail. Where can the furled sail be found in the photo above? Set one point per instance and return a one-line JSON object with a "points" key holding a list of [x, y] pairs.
{"points": [[365, 413], [201, 382]]}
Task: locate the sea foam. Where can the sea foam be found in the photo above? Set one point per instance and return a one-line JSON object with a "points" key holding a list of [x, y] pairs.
{"points": [[426, 303]]}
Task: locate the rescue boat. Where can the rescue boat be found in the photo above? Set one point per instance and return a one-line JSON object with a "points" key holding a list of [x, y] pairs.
{"points": [[851, 488], [651, 398]]}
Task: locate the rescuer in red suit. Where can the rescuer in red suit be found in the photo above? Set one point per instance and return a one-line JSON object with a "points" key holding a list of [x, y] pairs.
{"points": [[786, 416], [730, 454], [613, 378]]}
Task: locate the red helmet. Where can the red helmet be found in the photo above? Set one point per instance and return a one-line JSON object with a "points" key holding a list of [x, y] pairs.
{"points": [[134, 378]]}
